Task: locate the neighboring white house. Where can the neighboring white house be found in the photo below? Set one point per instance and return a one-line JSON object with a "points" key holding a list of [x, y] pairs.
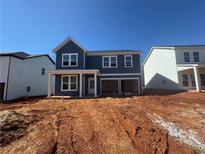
{"points": [[23, 75], [175, 68]]}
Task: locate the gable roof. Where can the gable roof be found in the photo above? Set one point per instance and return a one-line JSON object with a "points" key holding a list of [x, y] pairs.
{"points": [[23, 55], [66, 41]]}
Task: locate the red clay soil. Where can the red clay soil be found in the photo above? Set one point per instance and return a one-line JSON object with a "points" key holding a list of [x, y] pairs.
{"points": [[108, 125]]}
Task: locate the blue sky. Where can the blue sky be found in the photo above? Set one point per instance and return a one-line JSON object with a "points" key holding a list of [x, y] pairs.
{"points": [[38, 26]]}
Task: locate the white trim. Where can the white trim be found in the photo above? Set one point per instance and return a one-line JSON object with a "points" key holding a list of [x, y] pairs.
{"points": [[109, 62], [66, 41], [49, 86], [69, 83], [138, 81], [80, 92], [120, 74], [125, 61], [100, 53], [74, 71], [95, 85], [69, 60]]}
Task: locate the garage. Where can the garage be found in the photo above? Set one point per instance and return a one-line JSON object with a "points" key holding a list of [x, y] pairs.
{"points": [[129, 87], [109, 87], [124, 87]]}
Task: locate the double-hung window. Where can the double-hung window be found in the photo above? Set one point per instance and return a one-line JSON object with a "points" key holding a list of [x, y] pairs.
{"points": [[70, 60], [185, 81], [202, 77], [196, 56], [69, 83], [43, 71], [193, 80], [186, 57], [109, 61], [128, 60]]}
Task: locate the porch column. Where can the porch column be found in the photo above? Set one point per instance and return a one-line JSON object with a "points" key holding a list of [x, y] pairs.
{"points": [[49, 86], [95, 80], [197, 78], [80, 95], [119, 88]]}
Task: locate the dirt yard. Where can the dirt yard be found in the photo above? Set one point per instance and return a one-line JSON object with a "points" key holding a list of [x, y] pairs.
{"points": [[150, 124]]}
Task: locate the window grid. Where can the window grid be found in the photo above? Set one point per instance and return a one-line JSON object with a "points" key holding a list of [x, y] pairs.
{"points": [[69, 83], [185, 80], [186, 57], [202, 77], [128, 60], [109, 61], [196, 56], [70, 60], [193, 80]]}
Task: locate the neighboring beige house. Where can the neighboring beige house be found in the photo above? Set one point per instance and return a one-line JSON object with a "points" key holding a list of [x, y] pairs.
{"points": [[23, 75], [175, 68]]}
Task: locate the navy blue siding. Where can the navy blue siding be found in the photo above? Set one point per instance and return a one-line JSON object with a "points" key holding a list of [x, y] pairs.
{"points": [[92, 62], [95, 62], [70, 47]]}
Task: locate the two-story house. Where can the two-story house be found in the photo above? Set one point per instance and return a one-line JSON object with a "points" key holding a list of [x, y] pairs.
{"points": [[175, 68], [80, 72], [23, 75]]}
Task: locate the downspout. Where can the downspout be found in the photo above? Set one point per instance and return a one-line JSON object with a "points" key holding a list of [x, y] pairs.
{"points": [[7, 82]]}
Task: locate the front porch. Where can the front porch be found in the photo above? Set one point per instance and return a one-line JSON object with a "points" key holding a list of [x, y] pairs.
{"points": [[72, 82], [191, 77]]}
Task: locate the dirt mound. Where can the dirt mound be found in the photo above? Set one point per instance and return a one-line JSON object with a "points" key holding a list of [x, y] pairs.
{"points": [[12, 126], [112, 125]]}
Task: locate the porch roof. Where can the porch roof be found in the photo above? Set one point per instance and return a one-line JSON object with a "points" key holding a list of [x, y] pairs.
{"points": [[79, 71], [181, 67]]}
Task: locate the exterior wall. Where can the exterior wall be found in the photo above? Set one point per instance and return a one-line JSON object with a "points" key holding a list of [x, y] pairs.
{"points": [[27, 72], [95, 62], [4, 67], [180, 55], [70, 47], [160, 71], [76, 93]]}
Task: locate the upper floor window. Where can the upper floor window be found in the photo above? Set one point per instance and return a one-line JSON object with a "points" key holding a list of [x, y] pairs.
{"points": [[186, 57], [196, 56], [128, 60], [43, 71], [109, 61], [70, 59]]}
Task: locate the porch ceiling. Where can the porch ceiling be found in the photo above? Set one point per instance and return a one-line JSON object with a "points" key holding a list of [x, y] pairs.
{"points": [[83, 71]]}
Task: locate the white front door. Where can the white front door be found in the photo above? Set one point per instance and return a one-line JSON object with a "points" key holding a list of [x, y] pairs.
{"points": [[91, 85]]}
